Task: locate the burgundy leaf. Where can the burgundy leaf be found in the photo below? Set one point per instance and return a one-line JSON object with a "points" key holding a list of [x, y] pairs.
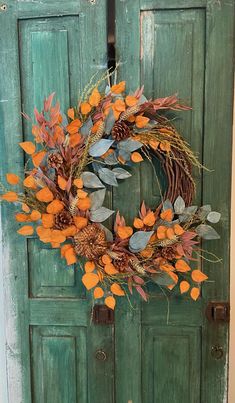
{"points": [[140, 290]]}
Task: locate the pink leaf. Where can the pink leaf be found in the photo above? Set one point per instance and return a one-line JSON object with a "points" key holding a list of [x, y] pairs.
{"points": [[142, 293], [48, 102]]}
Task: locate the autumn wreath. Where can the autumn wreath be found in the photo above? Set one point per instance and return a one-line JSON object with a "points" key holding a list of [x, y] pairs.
{"points": [[75, 158]]}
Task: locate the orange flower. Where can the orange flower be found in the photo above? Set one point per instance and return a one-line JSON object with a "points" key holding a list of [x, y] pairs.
{"points": [[75, 139], [136, 157], [118, 88], [84, 204], [12, 179], [55, 207], [198, 276], [184, 287], [10, 196], [167, 215], [81, 194], [141, 121], [85, 108], [170, 233], [62, 182], [110, 269], [149, 219], [182, 266], [89, 267], [70, 113], [124, 232], [70, 256], [29, 182], [35, 215], [57, 236], [110, 302], [28, 147], [64, 248], [45, 195], [119, 105], [26, 230], [147, 252], [78, 183], [95, 97], [161, 232], [106, 259], [98, 292], [195, 293], [131, 100], [90, 280], [73, 127], [154, 144], [37, 158], [69, 231], [138, 223], [116, 289], [47, 220], [178, 229], [21, 217], [80, 222]]}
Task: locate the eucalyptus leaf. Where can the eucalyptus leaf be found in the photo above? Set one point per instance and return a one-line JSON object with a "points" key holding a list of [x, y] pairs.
{"points": [[139, 240], [111, 159], [121, 173], [167, 205], [162, 278], [188, 213], [203, 211], [207, 232], [110, 120], [129, 145], [86, 127], [108, 233], [90, 180], [126, 155], [101, 214], [107, 176], [179, 205], [100, 147], [97, 199], [213, 217]]}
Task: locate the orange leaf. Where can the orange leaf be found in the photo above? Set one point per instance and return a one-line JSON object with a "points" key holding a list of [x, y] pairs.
{"points": [[182, 266], [165, 146], [173, 276], [35, 215], [119, 105], [80, 222], [167, 215], [167, 267], [85, 108], [29, 182], [73, 127], [95, 97], [138, 223], [44, 234], [198, 276], [45, 195], [58, 134], [141, 121], [64, 248], [110, 269], [124, 232], [90, 280], [12, 179], [47, 220], [110, 302], [136, 157], [131, 100], [89, 267], [26, 230], [70, 256], [25, 208], [149, 219], [21, 217], [28, 147], [55, 207], [62, 182], [154, 144], [55, 245], [184, 287], [70, 113], [178, 229], [69, 231], [74, 139], [161, 232], [195, 292], [84, 204], [57, 236], [98, 292], [147, 252], [37, 158], [170, 233], [106, 259], [81, 194], [118, 88], [96, 126], [117, 289], [10, 196], [78, 183]]}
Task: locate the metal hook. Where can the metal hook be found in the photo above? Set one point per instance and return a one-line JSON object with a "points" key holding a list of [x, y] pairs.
{"points": [[3, 7]]}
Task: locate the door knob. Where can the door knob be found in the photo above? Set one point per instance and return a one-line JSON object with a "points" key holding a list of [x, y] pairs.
{"points": [[100, 355], [217, 352]]}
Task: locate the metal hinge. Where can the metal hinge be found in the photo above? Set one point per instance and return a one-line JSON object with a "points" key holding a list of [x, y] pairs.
{"points": [[102, 315], [218, 312]]}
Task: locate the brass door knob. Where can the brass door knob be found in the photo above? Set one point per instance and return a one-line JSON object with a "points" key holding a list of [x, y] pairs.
{"points": [[217, 352], [100, 355]]}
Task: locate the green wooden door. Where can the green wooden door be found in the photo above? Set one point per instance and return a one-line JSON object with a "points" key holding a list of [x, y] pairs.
{"points": [[182, 47], [157, 352], [48, 46]]}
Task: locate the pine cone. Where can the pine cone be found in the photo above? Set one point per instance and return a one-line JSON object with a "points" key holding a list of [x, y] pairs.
{"points": [[168, 253], [122, 261], [90, 242], [55, 160], [63, 219], [120, 131]]}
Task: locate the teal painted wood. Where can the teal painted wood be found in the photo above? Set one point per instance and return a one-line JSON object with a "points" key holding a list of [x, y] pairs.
{"points": [[184, 47], [52, 49]]}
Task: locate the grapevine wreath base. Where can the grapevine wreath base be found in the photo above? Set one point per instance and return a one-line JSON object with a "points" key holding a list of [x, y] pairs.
{"points": [[74, 159]]}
